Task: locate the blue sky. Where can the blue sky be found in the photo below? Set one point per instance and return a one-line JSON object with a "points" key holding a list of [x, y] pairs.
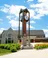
{"points": [[9, 14]]}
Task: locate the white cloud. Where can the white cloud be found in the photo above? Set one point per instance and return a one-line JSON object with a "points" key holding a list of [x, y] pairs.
{"points": [[14, 9], [1, 30], [4, 9], [41, 8], [46, 32], [6, 5], [15, 23], [11, 17]]}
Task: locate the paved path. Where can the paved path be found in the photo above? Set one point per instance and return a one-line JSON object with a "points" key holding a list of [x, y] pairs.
{"points": [[30, 53]]}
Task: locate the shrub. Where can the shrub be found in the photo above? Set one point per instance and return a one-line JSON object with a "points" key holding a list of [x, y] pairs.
{"points": [[2, 46], [13, 49], [7, 46], [17, 46]]}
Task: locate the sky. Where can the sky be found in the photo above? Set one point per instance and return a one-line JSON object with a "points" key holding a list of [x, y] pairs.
{"points": [[9, 14]]}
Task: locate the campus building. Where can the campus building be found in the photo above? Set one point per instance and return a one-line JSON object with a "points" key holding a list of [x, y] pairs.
{"points": [[11, 36]]}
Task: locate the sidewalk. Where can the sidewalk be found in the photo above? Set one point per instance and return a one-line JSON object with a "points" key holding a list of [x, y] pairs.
{"points": [[30, 53]]}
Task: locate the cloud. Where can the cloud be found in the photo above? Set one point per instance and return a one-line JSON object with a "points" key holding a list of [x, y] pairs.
{"points": [[40, 9], [46, 32], [15, 23], [36, 10], [14, 10], [13, 14], [4, 9], [11, 17]]}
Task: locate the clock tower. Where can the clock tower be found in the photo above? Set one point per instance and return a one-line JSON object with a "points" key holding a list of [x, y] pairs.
{"points": [[24, 17]]}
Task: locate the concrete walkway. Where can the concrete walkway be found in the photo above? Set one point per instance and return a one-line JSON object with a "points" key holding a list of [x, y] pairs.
{"points": [[30, 53]]}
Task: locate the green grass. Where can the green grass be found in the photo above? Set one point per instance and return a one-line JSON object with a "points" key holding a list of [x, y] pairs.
{"points": [[4, 51]]}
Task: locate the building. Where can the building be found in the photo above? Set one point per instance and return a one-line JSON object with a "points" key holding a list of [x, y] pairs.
{"points": [[8, 36], [11, 36], [37, 35]]}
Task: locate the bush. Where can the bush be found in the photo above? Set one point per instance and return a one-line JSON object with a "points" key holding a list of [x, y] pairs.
{"points": [[13, 49], [7, 46], [17, 46], [41, 46], [2, 46]]}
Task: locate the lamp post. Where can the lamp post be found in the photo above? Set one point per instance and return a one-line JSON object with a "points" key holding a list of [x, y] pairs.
{"points": [[24, 17]]}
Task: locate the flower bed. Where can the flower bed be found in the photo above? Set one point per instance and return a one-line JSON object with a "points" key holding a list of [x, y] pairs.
{"points": [[41, 46]]}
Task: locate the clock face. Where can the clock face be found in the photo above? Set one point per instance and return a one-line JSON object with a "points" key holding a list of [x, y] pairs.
{"points": [[26, 17]]}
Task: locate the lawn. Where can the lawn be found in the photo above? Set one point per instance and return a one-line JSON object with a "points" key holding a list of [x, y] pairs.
{"points": [[4, 51]]}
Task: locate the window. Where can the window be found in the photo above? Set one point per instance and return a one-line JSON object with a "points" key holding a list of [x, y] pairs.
{"points": [[9, 35], [9, 40], [6, 40], [0, 41], [12, 41]]}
